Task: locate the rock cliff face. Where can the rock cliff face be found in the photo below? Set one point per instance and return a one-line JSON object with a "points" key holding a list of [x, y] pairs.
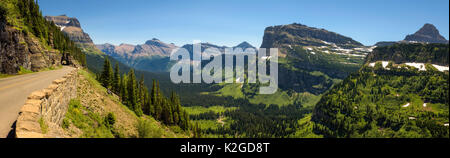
{"points": [[298, 34], [313, 59], [18, 49], [428, 33], [72, 27]]}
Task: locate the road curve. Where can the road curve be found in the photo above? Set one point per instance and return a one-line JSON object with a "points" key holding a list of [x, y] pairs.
{"points": [[15, 90]]}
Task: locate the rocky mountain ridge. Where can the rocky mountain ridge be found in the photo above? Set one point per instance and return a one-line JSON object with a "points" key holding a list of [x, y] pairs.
{"points": [[302, 35], [153, 47], [427, 34], [72, 27]]}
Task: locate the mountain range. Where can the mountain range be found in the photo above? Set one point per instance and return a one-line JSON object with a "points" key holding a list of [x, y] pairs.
{"points": [[152, 47], [153, 55]]}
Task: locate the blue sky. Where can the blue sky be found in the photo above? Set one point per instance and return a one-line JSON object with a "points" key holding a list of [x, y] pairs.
{"points": [[229, 22]]}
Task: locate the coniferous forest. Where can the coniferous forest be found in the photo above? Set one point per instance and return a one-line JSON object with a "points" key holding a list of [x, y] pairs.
{"points": [[138, 98]]}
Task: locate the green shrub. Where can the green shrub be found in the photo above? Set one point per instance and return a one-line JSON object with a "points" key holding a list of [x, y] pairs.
{"points": [[23, 71], [44, 126], [91, 124], [65, 124], [109, 120], [148, 130]]}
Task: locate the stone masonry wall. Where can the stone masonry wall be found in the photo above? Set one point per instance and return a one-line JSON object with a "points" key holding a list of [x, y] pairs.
{"points": [[48, 107]]}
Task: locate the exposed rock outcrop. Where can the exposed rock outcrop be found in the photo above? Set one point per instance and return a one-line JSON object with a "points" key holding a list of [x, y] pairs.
{"points": [[428, 33], [298, 34], [18, 49], [72, 27]]}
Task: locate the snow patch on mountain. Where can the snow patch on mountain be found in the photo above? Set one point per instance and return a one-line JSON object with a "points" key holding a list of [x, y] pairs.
{"points": [[420, 66]]}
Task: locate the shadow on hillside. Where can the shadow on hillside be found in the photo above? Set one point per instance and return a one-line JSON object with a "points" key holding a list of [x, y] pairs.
{"points": [[12, 133]]}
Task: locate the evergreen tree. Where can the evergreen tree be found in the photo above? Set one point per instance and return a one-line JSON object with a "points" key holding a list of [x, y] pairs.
{"points": [[132, 94], [116, 80], [123, 90], [106, 77], [153, 99]]}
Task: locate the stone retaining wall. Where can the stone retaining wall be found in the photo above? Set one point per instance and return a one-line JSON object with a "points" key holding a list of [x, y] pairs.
{"points": [[47, 107]]}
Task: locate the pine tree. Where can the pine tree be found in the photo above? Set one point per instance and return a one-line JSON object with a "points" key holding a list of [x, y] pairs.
{"points": [[197, 131], [132, 94], [116, 80], [106, 77], [153, 99], [149, 105], [123, 90], [176, 107], [141, 91]]}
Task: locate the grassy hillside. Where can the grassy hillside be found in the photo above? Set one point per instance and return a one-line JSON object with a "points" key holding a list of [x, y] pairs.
{"points": [[89, 116], [389, 102]]}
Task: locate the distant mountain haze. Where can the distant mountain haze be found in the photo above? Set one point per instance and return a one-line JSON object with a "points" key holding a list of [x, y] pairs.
{"points": [[154, 54], [152, 47], [244, 45]]}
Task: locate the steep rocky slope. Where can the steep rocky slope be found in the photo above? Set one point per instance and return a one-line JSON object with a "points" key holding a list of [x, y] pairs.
{"points": [[20, 47], [298, 34], [312, 59], [72, 27], [428, 33], [19, 50]]}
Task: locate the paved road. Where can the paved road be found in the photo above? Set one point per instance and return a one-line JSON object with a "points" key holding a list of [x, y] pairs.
{"points": [[15, 90]]}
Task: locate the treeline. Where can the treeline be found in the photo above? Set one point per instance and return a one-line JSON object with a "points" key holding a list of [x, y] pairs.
{"points": [[136, 96], [48, 33]]}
